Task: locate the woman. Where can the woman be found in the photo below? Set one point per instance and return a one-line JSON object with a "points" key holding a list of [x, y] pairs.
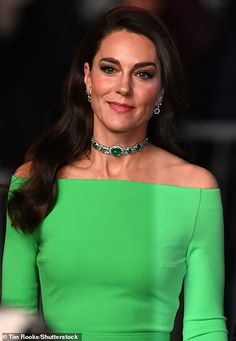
{"points": [[112, 222]]}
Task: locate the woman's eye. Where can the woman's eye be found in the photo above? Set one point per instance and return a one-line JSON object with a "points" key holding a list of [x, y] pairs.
{"points": [[108, 69], [145, 75]]}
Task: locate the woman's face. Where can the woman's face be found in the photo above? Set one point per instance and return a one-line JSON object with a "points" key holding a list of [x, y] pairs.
{"points": [[124, 82]]}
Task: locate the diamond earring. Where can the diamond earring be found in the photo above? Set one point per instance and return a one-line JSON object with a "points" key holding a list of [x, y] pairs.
{"points": [[88, 95], [157, 109]]}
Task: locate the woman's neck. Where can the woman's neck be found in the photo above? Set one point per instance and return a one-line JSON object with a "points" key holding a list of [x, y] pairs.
{"points": [[122, 139], [109, 166]]}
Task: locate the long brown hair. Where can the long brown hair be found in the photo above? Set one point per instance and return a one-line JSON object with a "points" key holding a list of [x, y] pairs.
{"points": [[70, 137]]}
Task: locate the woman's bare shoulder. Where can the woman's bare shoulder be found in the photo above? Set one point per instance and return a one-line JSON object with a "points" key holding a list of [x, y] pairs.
{"points": [[197, 176], [187, 174], [24, 171]]}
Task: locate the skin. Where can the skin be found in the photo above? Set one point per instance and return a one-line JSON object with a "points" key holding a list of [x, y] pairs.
{"points": [[125, 84]]}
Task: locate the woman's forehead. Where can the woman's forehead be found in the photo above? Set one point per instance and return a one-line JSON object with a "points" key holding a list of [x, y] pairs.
{"points": [[127, 45]]}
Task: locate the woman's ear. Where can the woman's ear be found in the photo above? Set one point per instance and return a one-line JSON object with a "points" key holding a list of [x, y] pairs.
{"points": [[87, 76]]}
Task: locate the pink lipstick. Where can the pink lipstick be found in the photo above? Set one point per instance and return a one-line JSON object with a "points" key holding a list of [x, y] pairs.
{"points": [[120, 107]]}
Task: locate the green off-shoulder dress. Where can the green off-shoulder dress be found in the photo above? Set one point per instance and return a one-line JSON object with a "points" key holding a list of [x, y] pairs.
{"points": [[111, 259]]}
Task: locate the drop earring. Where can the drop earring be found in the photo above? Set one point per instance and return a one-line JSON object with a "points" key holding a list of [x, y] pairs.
{"points": [[157, 108], [88, 95]]}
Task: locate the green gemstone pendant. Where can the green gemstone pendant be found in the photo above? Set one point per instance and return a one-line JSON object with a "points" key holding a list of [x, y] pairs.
{"points": [[116, 151]]}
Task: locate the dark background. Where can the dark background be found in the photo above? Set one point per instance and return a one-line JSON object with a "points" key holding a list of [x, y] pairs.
{"points": [[37, 43]]}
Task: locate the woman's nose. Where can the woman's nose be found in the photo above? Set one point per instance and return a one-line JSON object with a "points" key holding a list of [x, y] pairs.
{"points": [[124, 86]]}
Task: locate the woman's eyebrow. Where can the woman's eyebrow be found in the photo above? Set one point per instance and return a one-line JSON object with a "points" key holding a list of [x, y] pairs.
{"points": [[137, 65], [110, 60]]}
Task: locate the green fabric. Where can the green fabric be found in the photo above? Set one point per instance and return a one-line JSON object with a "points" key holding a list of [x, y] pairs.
{"points": [[111, 259]]}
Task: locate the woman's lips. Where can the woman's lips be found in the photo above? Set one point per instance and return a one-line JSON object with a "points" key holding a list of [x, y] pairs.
{"points": [[120, 107]]}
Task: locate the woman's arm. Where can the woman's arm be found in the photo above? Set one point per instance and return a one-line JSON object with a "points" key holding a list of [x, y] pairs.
{"points": [[204, 281], [19, 272]]}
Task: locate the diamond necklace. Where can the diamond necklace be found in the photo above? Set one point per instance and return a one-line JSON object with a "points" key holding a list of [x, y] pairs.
{"points": [[118, 151]]}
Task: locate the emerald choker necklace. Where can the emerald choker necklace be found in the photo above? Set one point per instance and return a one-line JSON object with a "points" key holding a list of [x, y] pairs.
{"points": [[118, 151]]}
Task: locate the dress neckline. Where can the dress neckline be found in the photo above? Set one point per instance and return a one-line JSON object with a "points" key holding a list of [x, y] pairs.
{"points": [[125, 181]]}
